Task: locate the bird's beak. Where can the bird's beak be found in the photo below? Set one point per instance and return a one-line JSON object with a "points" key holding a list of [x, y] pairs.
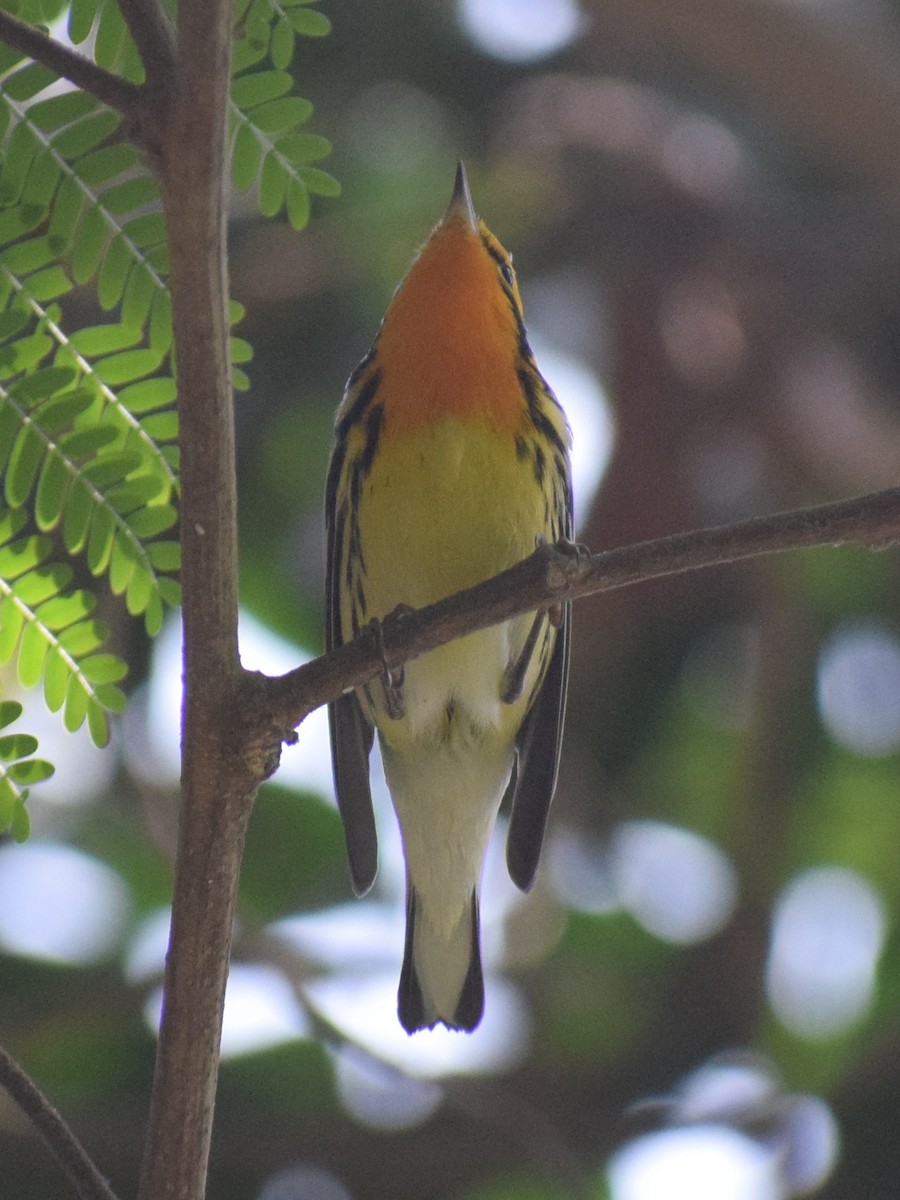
{"points": [[461, 208]]}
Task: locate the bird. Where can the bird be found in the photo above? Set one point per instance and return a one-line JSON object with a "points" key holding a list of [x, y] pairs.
{"points": [[451, 462]]}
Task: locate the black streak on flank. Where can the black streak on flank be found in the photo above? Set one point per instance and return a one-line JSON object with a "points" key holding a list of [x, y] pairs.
{"points": [[361, 402], [541, 421], [374, 425], [540, 465]]}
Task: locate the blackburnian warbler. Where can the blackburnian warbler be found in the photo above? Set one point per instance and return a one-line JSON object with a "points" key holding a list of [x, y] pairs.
{"points": [[451, 460]]}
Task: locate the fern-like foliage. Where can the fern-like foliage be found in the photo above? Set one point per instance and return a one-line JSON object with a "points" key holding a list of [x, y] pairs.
{"points": [[88, 428], [269, 147], [19, 769]]}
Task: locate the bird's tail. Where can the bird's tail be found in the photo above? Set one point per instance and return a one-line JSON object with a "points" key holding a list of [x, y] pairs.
{"points": [[441, 979]]}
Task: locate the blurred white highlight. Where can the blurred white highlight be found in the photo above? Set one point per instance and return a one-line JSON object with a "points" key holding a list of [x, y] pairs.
{"points": [[829, 930], [520, 30], [859, 689], [59, 904]]}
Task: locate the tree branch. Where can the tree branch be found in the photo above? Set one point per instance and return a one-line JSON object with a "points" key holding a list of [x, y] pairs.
{"points": [[274, 706], [124, 97], [217, 792], [57, 1135]]}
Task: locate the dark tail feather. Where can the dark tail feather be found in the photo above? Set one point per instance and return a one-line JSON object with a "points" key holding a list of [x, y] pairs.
{"points": [[411, 1005]]}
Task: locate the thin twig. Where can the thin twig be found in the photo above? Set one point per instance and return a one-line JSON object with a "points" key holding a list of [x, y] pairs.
{"points": [[60, 1139], [274, 706], [124, 97]]}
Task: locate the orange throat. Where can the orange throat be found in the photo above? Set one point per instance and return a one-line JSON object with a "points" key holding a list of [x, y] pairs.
{"points": [[448, 342]]}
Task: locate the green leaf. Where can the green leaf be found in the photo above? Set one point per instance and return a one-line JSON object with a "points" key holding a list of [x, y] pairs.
{"points": [[35, 770], [89, 244], [51, 492], [161, 324], [129, 365], [8, 800], [245, 159], [62, 611], [139, 292], [10, 710], [52, 114], [28, 255], [77, 516], [32, 652], [42, 180], [95, 340], [320, 183], [21, 825], [37, 586], [56, 679], [98, 723], [67, 208], [81, 19], [149, 522], [281, 47], [81, 443], [134, 493], [309, 22], [241, 350], [55, 414], [18, 221], [165, 556], [140, 590], [107, 163], [136, 193], [117, 263], [85, 135], [41, 384], [153, 612], [22, 555], [111, 697], [146, 230], [272, 186], [84, 637], [48, 284], [121, 564], [76, 705], [27, 452], [103, 668], [110, 36], [112, 467], [28, 82], [100, 541], [12, 621], [148, 395], [26, 353], [298, 207], [278, 116], [170, 590], [162, 427], [17, 745], [250, 90]]}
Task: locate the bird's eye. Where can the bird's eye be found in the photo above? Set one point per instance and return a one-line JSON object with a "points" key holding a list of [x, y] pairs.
{"points": [[507, 272]]}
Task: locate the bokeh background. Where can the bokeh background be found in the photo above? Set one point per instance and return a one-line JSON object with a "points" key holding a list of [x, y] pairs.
{"points": [[701, 997]]}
